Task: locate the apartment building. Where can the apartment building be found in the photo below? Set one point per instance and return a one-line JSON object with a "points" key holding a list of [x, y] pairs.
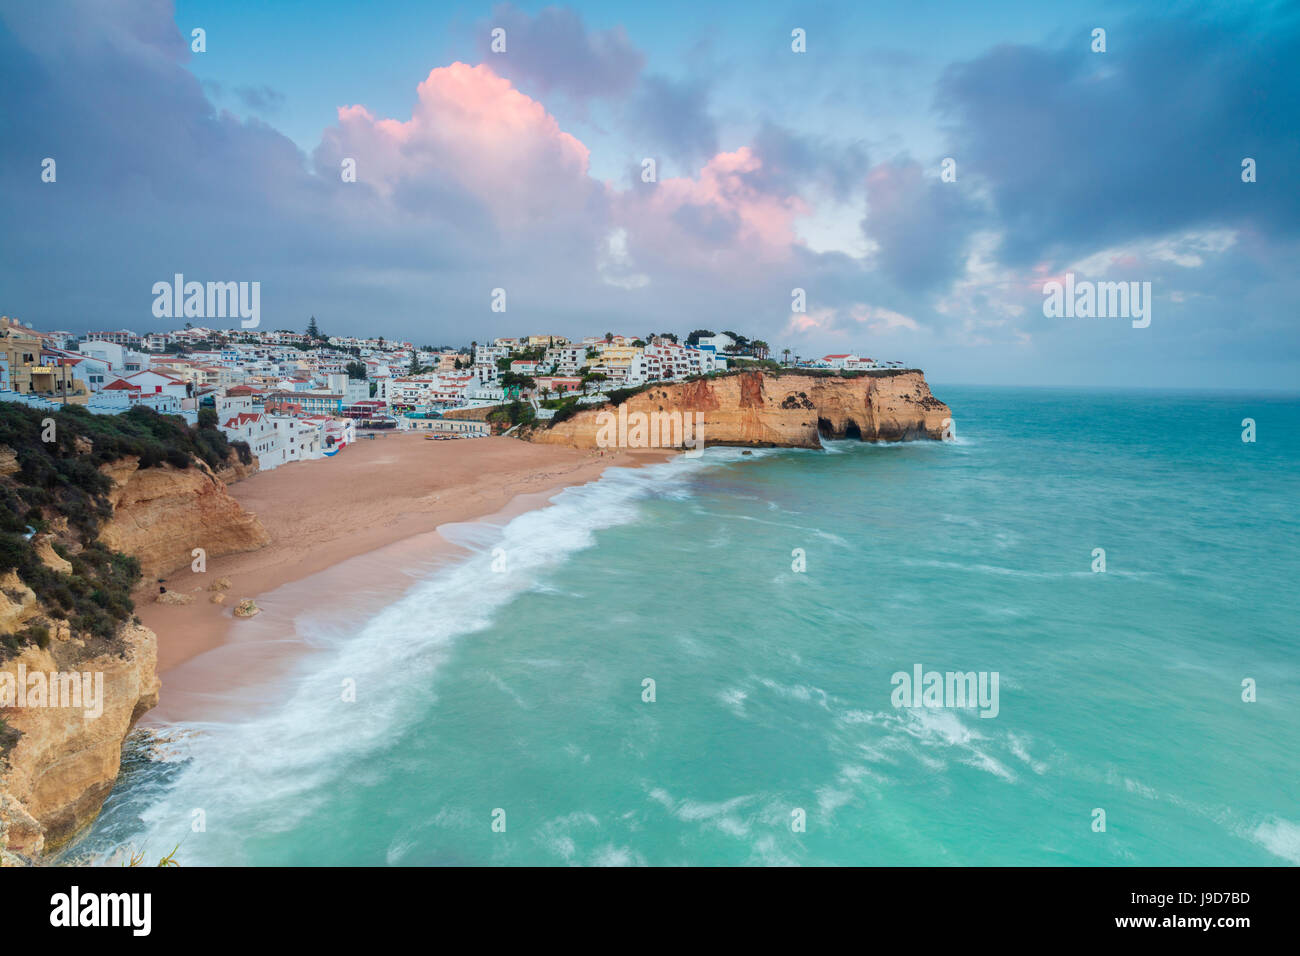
{"points": [[123, 337], [490, 354], [303, 403], [566, 359]]}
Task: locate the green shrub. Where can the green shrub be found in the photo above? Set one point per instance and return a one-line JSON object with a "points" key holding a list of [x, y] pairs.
{"points": [[37, 634], [617, 396], [565, 412], [513, 414], [59, 478]]}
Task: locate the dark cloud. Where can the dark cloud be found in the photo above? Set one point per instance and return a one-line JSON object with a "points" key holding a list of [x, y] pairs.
{"points": [[152, 180], [671, 117], [554, 52], [480, 187], [1082, 150], [260, 99], [792, 161], [921, 224]]}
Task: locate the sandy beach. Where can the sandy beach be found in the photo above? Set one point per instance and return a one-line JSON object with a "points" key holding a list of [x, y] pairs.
{"points": [[371, 496]]}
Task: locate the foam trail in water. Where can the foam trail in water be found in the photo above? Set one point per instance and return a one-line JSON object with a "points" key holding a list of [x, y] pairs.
{"points": [[270, 770]]}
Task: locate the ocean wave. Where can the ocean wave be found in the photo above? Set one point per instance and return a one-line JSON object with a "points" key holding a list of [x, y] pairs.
{"points": [[716, 815], [1020, 572], [815, 532], [271, 770]]}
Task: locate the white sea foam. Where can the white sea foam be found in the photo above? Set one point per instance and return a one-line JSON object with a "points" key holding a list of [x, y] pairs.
{"points": [[733, 698], [798, 692], [272, 769], [1281, 838], [617, 856], [557, 835], [1020, 573]]}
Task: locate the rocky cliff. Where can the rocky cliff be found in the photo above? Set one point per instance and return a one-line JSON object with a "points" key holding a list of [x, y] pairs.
{"points": [[161, 514], [61, 769], [59, 763], [763, 409]]}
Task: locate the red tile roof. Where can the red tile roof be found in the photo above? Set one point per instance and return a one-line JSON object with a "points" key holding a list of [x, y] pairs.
{"points": [[151, 371], [243, 418]]}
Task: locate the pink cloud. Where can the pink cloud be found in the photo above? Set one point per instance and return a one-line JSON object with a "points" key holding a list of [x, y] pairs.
{"points": [[762, 216], [476, 150], [818, 320], [470, 130], [722, 212], [830, 322]]}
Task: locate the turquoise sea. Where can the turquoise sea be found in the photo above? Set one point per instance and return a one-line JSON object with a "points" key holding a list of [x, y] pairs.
{"points": [[521, 690]]}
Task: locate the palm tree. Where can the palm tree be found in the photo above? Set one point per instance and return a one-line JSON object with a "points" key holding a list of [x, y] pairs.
{"points": [[786, 355]]}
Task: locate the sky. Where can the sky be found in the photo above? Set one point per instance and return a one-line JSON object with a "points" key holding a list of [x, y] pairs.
{"points": [[775, 170]]}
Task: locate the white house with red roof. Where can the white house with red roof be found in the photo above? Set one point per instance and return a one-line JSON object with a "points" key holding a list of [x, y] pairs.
{"points": [[851, 362], [840, 360], [155, 382], [240, 422]]}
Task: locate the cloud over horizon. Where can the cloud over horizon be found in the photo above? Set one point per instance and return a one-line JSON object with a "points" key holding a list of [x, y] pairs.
{"points": [[1066, 160]]}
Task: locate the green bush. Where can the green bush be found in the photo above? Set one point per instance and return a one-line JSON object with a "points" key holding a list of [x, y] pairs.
{"points": [[514, 413], [95, 596], [617, 396], [57, 474], [37, 634], [565, 411], [59, 478], [748, 365]]}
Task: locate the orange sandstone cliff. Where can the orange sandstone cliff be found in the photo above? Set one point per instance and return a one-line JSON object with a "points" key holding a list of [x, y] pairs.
{"points": [[161, 514], [63, 766], [762, 409], [58, 765]]}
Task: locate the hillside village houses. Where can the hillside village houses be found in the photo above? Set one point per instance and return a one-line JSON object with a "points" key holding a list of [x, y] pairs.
{"points": [[293, 396], [851, 362], [277, 439], [33, 371], [623, 360]]}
